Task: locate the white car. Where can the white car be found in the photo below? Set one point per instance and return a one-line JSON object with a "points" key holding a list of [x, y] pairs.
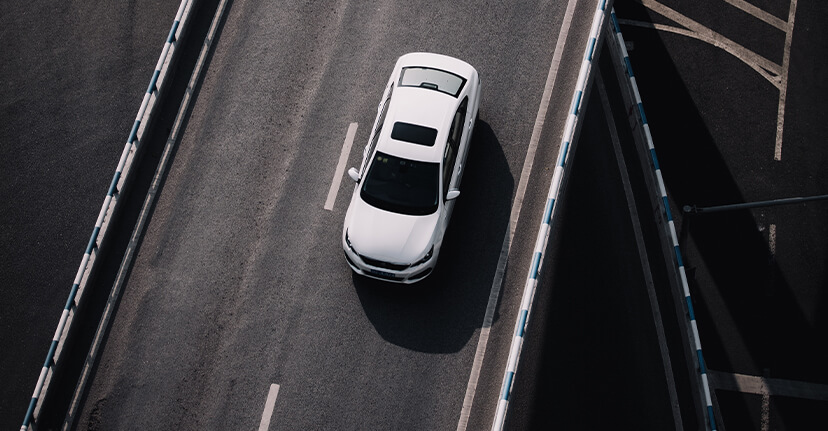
{"points": [[411, 168]]}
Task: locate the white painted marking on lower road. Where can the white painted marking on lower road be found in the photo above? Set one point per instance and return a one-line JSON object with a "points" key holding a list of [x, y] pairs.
{"points": [[497, 282], [340, 166], [776, 74], [642, 254], [783, 81], [765, 420], [268, 408], [694, 29], [759, 385], [772, 239], [764, 67], [757, 13]]}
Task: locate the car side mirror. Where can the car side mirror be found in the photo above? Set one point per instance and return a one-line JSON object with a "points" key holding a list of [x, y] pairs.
{"points": [[354, 174], [452, 194]]}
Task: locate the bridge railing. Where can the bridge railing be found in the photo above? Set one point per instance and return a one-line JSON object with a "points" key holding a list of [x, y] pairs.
{"points": [[568, 142], [120, 182], [667, 228]]}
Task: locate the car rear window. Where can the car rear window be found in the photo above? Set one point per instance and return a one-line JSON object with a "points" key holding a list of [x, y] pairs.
{"points": [[414, 134], [434, 79]]}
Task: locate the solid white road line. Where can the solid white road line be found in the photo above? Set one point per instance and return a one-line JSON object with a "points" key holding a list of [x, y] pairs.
{"points": [[765, 415], [642, 254], [340, 167], [268, 408], [494, 293]]}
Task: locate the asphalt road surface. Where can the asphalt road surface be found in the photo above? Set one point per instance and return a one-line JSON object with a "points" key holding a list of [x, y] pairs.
{"points": [[240, 284]]}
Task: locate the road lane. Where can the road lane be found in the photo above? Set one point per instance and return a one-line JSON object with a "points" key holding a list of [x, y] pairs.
{"points": [[240, 281]]}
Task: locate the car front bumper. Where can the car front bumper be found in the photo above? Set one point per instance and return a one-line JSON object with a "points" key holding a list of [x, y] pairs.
{"points": [[408, 275]]}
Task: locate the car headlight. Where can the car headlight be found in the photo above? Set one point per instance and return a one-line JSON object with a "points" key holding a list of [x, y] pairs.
{"points": [[425, 258], [348, 242]]}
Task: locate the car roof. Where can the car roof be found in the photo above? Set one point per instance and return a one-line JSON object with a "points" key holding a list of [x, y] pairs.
{"points": [[423, 106]]}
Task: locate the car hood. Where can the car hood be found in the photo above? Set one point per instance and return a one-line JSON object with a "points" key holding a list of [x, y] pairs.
{"points": [[387, 236]]}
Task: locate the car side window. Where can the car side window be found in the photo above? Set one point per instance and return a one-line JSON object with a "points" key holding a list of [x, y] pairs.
{"points": [[378, 126], [453, 144]]}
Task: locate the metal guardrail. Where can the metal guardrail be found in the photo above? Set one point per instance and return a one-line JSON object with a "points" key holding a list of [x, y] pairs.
{"points": [[569, 136], [665, 209], [748, 205], [110, 204]]}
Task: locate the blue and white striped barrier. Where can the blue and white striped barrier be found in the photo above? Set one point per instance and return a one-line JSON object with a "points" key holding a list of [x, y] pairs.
{"points": [[107, 209], [668, 214], [546, 223]]}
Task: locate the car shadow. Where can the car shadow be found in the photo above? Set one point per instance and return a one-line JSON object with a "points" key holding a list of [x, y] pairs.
{"points": [[440, 313]]}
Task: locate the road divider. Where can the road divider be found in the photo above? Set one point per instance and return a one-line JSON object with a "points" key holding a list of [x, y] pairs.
{"points": [[570, 134], [121, 181], [144, 215]]}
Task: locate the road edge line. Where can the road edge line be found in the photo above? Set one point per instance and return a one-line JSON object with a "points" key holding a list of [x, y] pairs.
{"points": [[497, 282]]}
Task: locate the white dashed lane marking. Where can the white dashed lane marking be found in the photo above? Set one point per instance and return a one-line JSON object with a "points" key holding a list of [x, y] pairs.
{"points": [[268, 408], [340, 167]]}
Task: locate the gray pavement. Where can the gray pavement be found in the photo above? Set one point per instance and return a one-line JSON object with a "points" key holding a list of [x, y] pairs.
{"points": [[240, 282]]}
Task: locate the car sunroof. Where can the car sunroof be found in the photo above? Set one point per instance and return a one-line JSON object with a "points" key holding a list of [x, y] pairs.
{"points": [[414, 134]]}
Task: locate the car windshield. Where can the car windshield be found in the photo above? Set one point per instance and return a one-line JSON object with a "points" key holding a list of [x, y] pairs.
{"points": [[401, 185], [435, 79]]}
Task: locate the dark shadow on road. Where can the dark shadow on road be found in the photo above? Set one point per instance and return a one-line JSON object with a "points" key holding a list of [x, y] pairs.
{"points": [[440, 313], [591, 359]]}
